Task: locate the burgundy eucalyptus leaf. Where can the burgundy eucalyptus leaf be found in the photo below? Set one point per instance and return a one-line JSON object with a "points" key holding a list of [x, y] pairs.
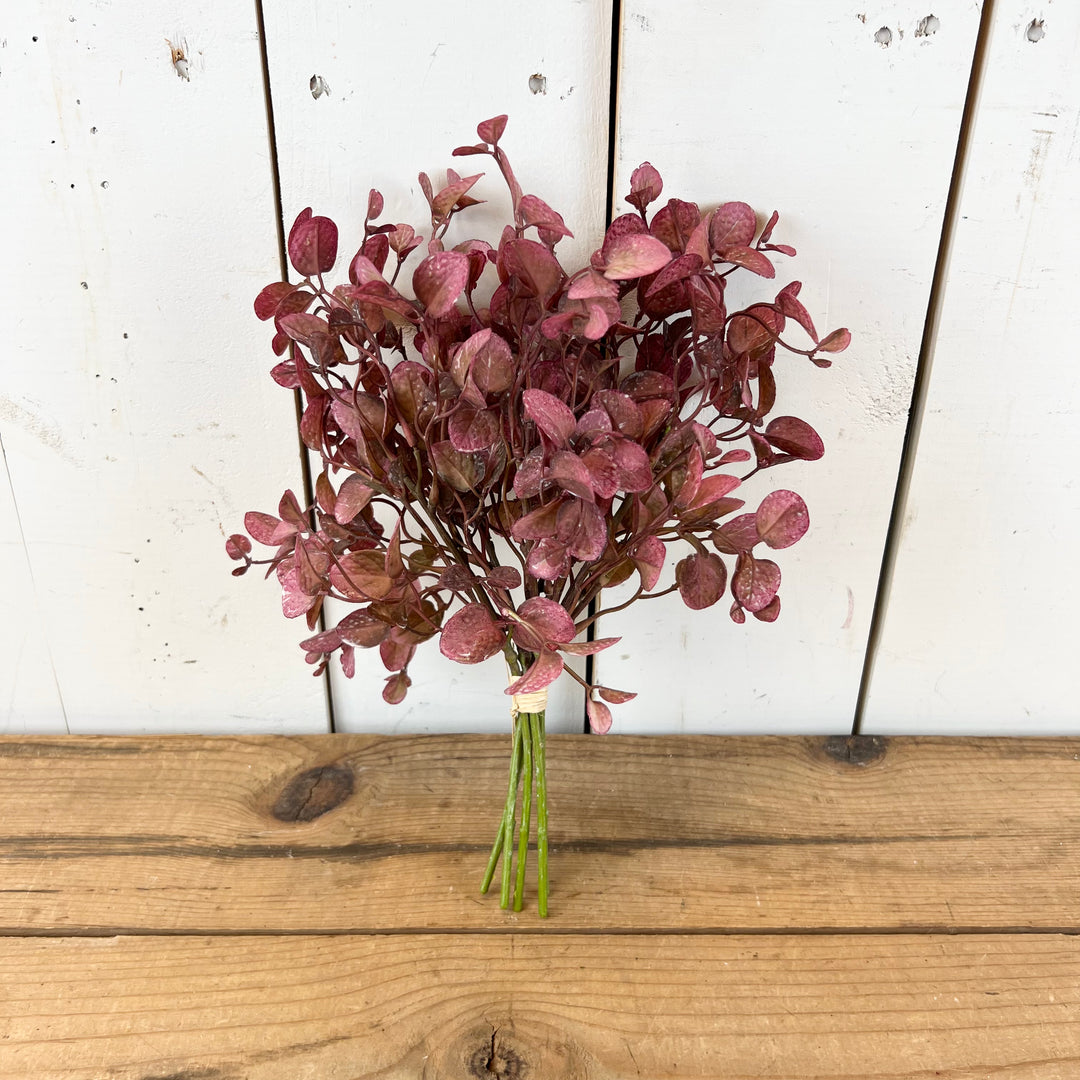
{"points": [[750, 258], [490, 131], [312, 244], [544, 671], [361, 575], [649, 555], [535, 212], [396, 688], [738, 535], [238, 546], [548, 560], [790, 435], [471, 635], [616, 697], [462, 471], [633, 256], [732, 225], [473, 429], [788, 302], [268, 529], [599, 716], [835, 342], [645, 186], [675, 223], [571, 474], [755, 582], [701, 579], [552, 416], [550, 618], [782, 519], [589, 648], [537, 271], [362, 629], [439, 280], [266, 303], [504, 577], [457, 578], [770, 612]]}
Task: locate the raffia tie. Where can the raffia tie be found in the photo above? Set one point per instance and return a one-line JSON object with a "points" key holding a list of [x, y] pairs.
{"points": [[536, 702]]}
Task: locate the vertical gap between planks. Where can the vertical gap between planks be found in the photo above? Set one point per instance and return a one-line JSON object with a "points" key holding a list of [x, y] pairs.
{"points": [[609, 213], [921, 386], [283, 265]]}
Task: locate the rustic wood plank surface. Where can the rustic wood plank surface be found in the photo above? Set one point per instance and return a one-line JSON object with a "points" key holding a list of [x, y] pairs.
{"points": [[268, 908], [191, 834], [579, 1007]]}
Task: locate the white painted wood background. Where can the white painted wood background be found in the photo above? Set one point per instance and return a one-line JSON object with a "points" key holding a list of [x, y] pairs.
{"points": [[138, 421]]}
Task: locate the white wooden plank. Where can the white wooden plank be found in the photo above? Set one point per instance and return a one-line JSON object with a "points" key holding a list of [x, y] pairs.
{"points": [[979, 634], [407, 84], [797, 107], [139, 220], [29, 696]]}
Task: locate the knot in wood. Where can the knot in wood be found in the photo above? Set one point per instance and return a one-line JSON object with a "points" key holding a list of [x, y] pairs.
{"points": [[495, 1059], [855, 749], [314, 793]]}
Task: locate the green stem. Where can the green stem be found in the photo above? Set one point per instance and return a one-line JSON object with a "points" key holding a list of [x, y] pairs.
{"points": [[526, 807], [540, 770], [508, 812]]}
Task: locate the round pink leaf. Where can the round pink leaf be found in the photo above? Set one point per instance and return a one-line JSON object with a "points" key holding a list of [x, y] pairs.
{"points": [[701, 580], [790, 435], [599, 716], [634, 256], [471, 635], [438, 281], [755, 582], [782, 519]]}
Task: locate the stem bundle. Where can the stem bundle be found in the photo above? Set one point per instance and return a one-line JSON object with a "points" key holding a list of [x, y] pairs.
{"points": [[527, 768]]}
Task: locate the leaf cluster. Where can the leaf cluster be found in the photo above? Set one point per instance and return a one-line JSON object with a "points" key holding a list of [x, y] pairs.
{"points": [[532, 450]]}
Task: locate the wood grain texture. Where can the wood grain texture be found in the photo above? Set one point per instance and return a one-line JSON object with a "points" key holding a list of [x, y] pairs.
{"points": [[796, 107], [138, 215], [343, 833], [978, 631], [549, 71], [450, 1007]]}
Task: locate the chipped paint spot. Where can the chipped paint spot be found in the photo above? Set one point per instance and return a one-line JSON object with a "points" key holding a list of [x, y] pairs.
{"points": [[538, 84], [928, 25], [1036, 30], [180, 62], [883, 37], [318, 87]]}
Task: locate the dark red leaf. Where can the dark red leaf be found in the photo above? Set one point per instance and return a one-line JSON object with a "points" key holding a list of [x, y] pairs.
{"points": [[755, 582], [790, 435], [552, 416], [737, 535], [770, 611], [396, 688], [504, 577], [312, 244], [599, 716], [473, 429], [471, 635], [616, 697], [439, 280], [732, 225], [782, 519], [545, 670], [362, 629], [750, 258], [645, 186], [490, 131], [701, 580], [836, 342]]}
